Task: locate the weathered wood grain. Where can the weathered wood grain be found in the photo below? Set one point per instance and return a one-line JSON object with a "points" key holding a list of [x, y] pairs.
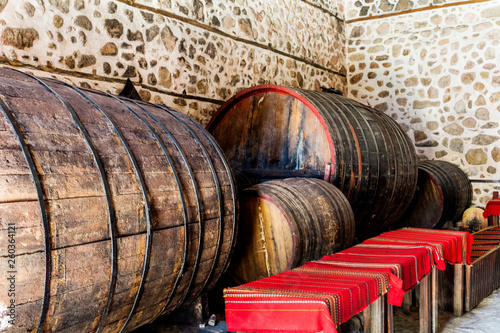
{"points": [[191, 223], [285, 223], [276, 132]]}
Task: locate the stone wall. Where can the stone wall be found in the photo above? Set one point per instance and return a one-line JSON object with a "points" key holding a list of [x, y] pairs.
{"points": [[190, 54], [365, 8], [436, 72]]}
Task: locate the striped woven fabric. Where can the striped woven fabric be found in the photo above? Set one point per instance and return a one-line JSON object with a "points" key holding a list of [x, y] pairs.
{"points": [[311, 298], [409, 263], [492, 208], [323, 294], [484, 241], [449, 246]]}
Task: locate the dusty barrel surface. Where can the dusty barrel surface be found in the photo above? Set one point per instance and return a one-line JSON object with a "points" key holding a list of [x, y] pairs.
{"points": [[120, 211], [443, 193], [284, 223], [272, 132]]}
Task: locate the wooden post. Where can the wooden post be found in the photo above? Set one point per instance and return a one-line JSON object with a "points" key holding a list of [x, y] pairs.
{"points": [[493, 219], [425, 305], [367, 319], [377, 316], [389, 319], [407, 301], [458, 291], [467, 306], [434, 299]]}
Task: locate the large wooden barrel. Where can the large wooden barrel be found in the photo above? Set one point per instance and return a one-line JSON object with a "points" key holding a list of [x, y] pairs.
{"points": [[443, 193], [284, 223], [116, 211], [272, 132]]}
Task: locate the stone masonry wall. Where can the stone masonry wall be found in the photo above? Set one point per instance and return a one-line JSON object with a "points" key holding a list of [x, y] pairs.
{"points": [[366, 8], [436, 72], [190, 54]]}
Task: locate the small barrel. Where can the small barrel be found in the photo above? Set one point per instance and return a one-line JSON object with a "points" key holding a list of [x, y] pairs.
{"points": [[273, 132], [284, 223], [443, 193], [119, 211]]}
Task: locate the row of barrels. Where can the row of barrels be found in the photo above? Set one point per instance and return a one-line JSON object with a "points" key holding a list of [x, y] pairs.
{"points": [[273, 132], [121, 211]]}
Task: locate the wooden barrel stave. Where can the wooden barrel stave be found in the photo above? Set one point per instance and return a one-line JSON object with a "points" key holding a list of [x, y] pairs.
{"points": [[62, 185]]}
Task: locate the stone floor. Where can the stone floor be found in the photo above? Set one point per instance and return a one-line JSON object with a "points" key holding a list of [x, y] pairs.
{"points": [[485, 318]]}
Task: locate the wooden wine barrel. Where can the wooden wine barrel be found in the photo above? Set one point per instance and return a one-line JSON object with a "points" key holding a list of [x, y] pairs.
{"points": [[284, 223], [119, 211], [443, 193], [274, 132]]}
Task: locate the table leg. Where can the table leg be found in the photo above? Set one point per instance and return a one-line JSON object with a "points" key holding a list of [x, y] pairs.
{"points": [[377, 316], [458, 291], [467, 306], [389, 316], [407, 301], [434, 300], [367, 319], [425, 305]]}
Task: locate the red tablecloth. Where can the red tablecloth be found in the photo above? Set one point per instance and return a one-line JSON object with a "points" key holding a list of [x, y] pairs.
{"points": [[492, 208], [315, 297], [484, 241], [409, 263], [323, 294], [449, 246]]}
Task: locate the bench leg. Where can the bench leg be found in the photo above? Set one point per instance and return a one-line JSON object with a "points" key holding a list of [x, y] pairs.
{"points": [[377, 316], [367, 319], [407, 301], [425, 305], [389, 316], [467, 306], [458, 291], [434, 301]]}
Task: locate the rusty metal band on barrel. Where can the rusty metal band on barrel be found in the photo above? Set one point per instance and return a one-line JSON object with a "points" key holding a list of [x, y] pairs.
{"points": [[105, 183], [219, 198], [198, 202], [147, 206], [233, 193], [43, 211], [193, 180], [111, 212]]}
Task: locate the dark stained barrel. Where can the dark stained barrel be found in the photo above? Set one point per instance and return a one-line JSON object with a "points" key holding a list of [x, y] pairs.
{"points": [[120, 211], [273, 132], [443, 193], [284, 223]]}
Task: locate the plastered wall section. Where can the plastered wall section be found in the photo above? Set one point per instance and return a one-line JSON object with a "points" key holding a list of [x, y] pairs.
{"points": [[192, 55], [437, 73]]}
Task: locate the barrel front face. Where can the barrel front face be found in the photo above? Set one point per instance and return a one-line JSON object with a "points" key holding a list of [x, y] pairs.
{"points": [[264, 248], [285, 223], [444, 193], [107, 196], [276, 132], [268, 134]]}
